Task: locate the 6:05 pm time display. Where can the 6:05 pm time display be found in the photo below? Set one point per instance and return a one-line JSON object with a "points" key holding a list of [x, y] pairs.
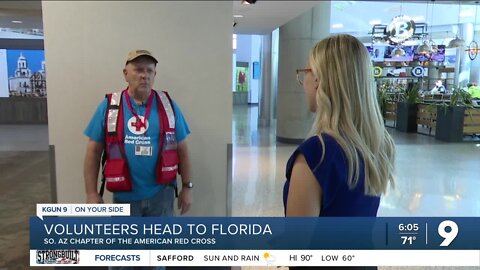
{"points": [[409, 227]]}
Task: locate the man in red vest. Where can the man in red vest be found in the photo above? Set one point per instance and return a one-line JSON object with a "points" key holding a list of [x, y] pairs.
{"points": [[143, 135]]}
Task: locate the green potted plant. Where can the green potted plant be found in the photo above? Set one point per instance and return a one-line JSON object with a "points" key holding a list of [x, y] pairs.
{"points": [[382, 97], [450, 116], [407, 109]]}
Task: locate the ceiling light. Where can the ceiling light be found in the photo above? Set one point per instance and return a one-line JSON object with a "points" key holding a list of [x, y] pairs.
{"points": [[373, 22], [424, 48], [337, 25], [456, 42], [17, 22], [398, 52], [238, 16]]}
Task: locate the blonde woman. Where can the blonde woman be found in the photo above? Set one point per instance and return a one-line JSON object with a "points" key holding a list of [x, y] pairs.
{"points": [[348, 162]]}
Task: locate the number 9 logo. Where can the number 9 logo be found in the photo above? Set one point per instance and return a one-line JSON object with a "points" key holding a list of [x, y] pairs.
{"points": [[448, 236]]}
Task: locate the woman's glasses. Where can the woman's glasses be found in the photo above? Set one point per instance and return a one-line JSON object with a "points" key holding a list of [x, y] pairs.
{"points": [[301, 74]]}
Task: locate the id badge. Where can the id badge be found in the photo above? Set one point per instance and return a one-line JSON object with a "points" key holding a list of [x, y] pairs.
{"points": [[143, 150]]}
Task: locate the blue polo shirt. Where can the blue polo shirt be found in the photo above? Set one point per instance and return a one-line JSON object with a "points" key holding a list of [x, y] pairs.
{"points": [[142, 168], [332, 175]]}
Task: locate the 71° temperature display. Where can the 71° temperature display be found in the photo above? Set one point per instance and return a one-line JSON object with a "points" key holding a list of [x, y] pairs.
{"points": [[410, 233]]}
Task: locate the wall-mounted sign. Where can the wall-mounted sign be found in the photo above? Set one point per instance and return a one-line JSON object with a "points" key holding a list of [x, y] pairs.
{"points": [[472, 50], [400, 29], [377, 71], [418, 71]]}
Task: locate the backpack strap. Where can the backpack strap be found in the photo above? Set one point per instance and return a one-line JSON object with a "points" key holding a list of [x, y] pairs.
{"points": [[113, 106]]}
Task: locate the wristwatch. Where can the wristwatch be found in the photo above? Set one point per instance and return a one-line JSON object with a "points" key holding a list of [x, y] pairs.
{"points": [[187, 185]]}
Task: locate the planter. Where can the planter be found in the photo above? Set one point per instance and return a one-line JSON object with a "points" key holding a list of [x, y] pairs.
{"points": [[449, 127], [240, 98], [23, 110], [406, 117]]}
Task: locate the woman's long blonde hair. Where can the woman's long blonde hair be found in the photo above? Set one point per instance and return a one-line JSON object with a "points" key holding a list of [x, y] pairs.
{"points": [[347, 109]]}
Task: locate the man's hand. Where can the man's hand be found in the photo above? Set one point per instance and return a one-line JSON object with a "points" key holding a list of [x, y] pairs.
{"points": [[185, 196], [94, 198], [184, 200], [91, 167]]}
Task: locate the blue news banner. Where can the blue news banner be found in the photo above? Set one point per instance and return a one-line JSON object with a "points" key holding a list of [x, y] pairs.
{"points": [[253, 233]]}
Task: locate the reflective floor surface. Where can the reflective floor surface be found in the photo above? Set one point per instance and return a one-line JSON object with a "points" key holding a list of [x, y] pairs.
{"points": [[433, 178], [24, 181]]}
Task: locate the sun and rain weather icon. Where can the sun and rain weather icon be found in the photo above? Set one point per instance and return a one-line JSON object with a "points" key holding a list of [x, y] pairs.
{"points": [[269, 258]]}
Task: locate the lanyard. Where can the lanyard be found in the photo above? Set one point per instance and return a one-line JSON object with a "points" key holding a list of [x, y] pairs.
{"points": [[147, 113]]}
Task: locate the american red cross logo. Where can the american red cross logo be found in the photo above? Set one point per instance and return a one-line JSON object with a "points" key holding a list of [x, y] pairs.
{"points": [[138, 124]]}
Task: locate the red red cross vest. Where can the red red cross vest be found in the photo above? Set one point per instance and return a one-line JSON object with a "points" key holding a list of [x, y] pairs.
{"points": [[116, 173]]}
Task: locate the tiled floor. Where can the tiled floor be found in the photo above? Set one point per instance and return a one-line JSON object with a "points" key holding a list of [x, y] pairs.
{"points": [[24, 181], [433, 179]]}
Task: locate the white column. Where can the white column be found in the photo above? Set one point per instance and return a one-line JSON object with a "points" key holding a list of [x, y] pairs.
{"points": [[3, 74], [265, 109], [296, 39], [475, 64], [463, 62]]}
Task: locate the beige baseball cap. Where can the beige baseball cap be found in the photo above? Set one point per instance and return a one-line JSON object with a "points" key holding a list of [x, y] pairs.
{"points": [[137, 53]]}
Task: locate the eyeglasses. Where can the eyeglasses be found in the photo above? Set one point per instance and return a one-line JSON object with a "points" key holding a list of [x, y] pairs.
{"points": [[301, 74]]}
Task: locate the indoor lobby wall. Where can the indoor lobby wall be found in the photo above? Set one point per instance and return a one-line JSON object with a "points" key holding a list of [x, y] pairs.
{"points": [[296, 38], [86, 44]]}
